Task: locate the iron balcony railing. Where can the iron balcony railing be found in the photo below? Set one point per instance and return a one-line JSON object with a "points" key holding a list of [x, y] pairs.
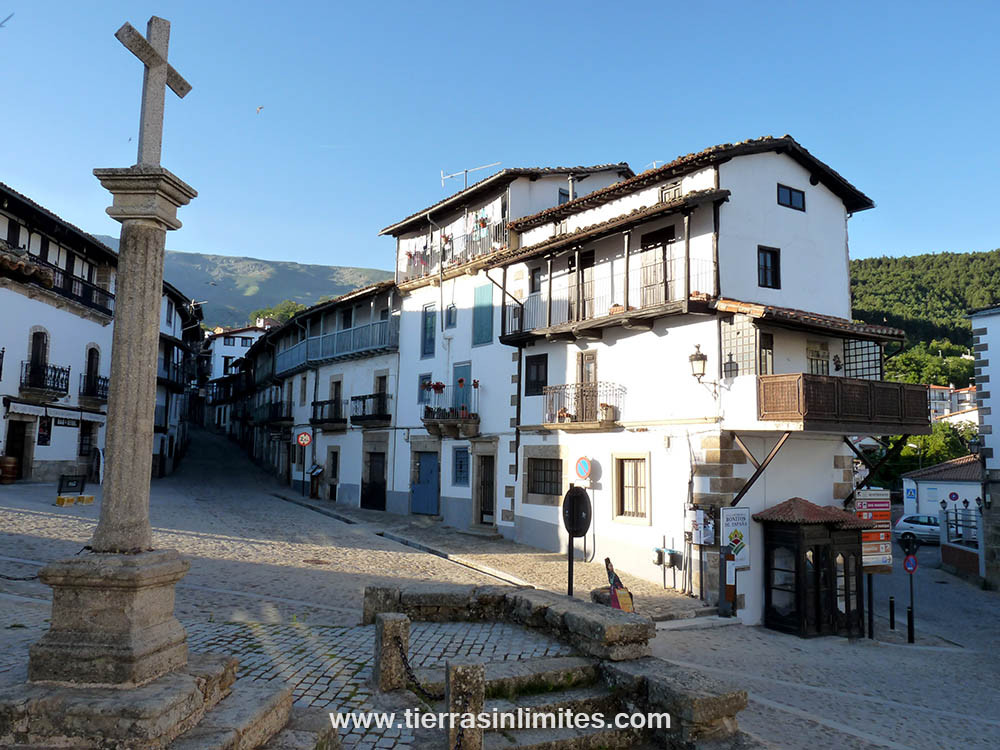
{"points": [[584, 402], [963, 526], [160, 418], [331, 411], [45, 377], [94, 386], [1, 362], [372, 407], [484, 238], [601, 293], [276, 411], [172, 372], [79, 290], [369, 337], [450, 401]]}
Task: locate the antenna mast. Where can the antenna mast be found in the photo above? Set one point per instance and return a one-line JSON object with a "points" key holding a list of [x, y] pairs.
{"points": [[466, 173]]}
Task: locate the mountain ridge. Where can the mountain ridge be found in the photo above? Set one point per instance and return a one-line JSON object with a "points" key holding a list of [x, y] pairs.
{"points": [[231, 287]]}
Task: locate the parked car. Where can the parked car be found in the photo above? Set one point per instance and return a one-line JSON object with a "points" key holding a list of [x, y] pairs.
{"points": [[925, 529]]}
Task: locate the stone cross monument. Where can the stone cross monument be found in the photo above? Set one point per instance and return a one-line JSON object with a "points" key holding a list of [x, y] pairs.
{"points": [[112, 610]]}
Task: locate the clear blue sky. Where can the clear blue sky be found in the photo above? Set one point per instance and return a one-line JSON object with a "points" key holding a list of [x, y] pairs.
{"points": [[365, 104]]}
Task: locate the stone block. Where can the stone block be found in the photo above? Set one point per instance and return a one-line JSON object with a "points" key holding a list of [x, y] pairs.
{"points": [[724, 456], [378, 599], [392, 640], [691, 697], [842, 490], [426, 596], [713, 470], [726, 484], [465, 693], [843, 462], [719, 441], [529, 607], [719, 499], [608, 626], [112, 620]]}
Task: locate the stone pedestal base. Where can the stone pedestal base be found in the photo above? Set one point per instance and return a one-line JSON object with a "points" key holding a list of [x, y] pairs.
{"points": [[113, 621]]}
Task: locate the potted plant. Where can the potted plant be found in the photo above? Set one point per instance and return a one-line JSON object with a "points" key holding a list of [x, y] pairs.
{"points": [[564, 415], [607, 412], [616, 308]]}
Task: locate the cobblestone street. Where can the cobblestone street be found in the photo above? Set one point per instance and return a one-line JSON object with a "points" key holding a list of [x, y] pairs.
{"points": [[280, 586]]}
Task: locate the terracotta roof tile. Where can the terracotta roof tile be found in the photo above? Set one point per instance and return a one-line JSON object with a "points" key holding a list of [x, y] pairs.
{"points": [[20, 266], [792, 316], [962, 469], [798, 510], [853, 198]]}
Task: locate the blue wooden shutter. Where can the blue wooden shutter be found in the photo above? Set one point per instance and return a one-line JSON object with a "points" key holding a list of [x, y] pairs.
{"points": [[482, 315]]}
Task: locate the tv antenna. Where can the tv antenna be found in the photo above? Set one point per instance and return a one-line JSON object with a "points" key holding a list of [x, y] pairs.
{"points": [[653, 163], [465, 172]]}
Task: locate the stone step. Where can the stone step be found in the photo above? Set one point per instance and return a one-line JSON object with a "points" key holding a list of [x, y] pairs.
{"points": [[558, 739], [245, 720], [583, 700], [512, 678], [307, 729]]}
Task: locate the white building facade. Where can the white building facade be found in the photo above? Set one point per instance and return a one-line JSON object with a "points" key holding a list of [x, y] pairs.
{"points": [[985, 347]]}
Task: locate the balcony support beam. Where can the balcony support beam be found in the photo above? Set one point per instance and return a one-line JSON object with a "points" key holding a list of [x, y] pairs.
{"points": [[890, 455], [579, 280], [548, 301], [687, 259], [761, 467]]}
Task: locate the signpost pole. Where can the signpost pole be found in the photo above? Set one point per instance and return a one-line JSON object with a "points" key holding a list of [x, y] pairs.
{"points": [[569, 583], [909, 614], [871, 607], [303, 472], [892, 613]]}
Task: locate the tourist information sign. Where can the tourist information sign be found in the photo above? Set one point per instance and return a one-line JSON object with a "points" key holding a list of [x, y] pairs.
{"points": [[876, 543], [736, 533]]}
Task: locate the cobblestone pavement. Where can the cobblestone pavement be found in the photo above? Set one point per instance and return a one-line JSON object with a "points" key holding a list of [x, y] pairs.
{"points": [[541, 569], [837, 693]]}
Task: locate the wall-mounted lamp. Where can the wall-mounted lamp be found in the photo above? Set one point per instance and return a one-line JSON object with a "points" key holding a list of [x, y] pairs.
{"points": [[698, 361], [965, 503], [975, 445], [944, 505]]}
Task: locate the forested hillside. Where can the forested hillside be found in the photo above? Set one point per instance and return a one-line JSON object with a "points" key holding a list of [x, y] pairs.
{"points": [[928, 296]]}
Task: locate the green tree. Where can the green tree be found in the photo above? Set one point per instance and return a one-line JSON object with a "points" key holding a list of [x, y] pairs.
{"points": [[281, 312], [946, 441]]}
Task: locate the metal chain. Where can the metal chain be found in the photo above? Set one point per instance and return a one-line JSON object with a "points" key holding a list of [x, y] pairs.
{"points": [[15, 578], [411, 676], [460, 735]]}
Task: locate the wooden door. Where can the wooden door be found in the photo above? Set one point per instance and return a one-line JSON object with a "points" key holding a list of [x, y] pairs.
{"points": [[487, 489], [373, 486], [426, 489], [586, 387]]}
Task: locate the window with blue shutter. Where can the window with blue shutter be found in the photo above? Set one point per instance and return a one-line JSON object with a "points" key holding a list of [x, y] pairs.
{"points": [[427, 332], [482, 315]]}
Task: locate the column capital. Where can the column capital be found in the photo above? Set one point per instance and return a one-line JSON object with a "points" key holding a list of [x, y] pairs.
{"points": [[147, 194]]}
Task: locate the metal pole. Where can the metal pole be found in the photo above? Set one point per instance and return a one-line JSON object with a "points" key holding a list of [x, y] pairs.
{"points": [[871, 606], [892, 613], [303, 472], [569, 582], [909, 624]]}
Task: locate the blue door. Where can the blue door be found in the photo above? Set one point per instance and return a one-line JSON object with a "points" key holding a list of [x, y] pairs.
{"points": [[463, 388], [425, 491]]}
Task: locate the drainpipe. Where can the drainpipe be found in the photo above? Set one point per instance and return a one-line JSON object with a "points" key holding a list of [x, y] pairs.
{"points": [[440, 271], [572, 187]]}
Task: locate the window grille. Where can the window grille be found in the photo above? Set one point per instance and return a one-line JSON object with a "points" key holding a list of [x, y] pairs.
{"points": [[461, 468], [545, 476], [862, 359], [818, 358], [632, 487], [739, 346]]}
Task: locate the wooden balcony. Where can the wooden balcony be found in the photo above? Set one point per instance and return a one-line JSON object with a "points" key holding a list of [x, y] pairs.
{"points": [[823, 403]]}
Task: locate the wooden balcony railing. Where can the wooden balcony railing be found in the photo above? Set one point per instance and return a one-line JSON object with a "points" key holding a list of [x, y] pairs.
{"points": [[823, 401], [277, 411], [331, 412]]}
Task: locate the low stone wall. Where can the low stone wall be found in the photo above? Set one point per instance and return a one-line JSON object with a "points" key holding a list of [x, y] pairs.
{"points": [[961, 561], [593, 630]]}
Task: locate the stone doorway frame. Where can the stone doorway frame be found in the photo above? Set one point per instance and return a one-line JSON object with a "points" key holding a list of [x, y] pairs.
{"points": [[483, 446]]}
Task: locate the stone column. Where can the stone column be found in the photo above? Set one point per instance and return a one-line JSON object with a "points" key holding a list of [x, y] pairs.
{"points": [[388, 672], [465, 693], [113, 618], [146, 199]]}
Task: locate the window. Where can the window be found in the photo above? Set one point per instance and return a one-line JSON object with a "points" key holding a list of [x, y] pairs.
{"points": [[536, 281], [245, 341], [346, 319], [302, 391], [818, 357], [229, 340], [791, 197], [423, 388], [545, 476], [427, 332], [460, 468], [450, 316], [563, 196], [227, 365], [769, 267], [381, 384], [536, 374], [766, 354], [482, 315], [630, 487], [86, 444], [170, 312], [44, 430]]}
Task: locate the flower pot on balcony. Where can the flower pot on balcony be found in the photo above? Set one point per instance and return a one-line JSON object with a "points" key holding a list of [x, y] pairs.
{"points": [[607, 412]]}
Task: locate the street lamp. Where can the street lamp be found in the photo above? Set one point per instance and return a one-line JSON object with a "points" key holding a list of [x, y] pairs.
{"points": [[975, 445], [698, 361], [944, 504], [920, 454]]}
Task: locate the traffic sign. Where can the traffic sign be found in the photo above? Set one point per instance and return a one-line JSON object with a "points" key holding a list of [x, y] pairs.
{"points": [[303, 439], [875, 507], [583, 467], [910, 563], [953, 496]]}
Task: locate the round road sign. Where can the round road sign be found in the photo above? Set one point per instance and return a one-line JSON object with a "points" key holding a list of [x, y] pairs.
{"points": [[576, 511], [953, 496], [583, 467], [910, 563], [303, 439]]}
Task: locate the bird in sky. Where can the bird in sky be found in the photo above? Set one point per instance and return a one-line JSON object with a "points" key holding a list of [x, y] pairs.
{"points": [[4, 21], [260, 108]]}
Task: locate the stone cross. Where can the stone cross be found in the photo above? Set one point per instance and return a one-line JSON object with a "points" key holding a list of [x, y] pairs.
{"points": [[159, 74]]}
